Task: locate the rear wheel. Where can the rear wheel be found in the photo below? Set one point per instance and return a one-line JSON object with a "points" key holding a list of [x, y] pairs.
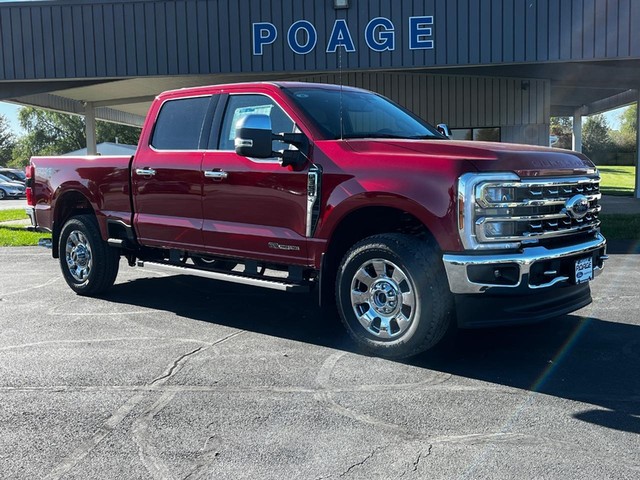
{"points": [[392, 295], [88, 264]]}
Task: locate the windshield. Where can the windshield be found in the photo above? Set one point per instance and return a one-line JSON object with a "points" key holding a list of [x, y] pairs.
{"points": [[364, 115]]}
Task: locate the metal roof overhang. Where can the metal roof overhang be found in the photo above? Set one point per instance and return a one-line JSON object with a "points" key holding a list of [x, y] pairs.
{"points": [[589, 87]]}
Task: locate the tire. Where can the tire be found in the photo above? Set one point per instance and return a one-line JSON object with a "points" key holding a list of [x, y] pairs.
{"points": [[392, 295], [214, 264], [88, 264], [2, 194]]}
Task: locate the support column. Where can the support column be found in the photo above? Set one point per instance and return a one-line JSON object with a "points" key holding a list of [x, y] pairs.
{"points": [[636, 193], [90, 128], [577, 130]]}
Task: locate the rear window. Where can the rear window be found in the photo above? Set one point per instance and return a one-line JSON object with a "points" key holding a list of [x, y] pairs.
{"points": [[179, 124]]}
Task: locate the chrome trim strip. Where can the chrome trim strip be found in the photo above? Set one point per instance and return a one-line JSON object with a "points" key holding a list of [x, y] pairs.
{"points": [[528, 218], [539, 236], [456, 265], [536, 203], [313, 196]]}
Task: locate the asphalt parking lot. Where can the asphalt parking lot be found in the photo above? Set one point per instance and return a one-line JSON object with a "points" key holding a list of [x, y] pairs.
{"points": [[179, 377]]}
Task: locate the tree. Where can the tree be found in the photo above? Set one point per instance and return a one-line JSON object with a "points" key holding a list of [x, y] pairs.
{"points": [[562, 127], [629, 120], [54, 133], [625, 139], [596, 138], [7, 141], [117, 133]]}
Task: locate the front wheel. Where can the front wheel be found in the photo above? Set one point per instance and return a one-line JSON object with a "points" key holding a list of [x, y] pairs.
{"points": [[89, 265], [392, 295]]}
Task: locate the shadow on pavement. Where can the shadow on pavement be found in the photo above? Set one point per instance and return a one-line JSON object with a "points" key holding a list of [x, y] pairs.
{"points": [[572, 357]]}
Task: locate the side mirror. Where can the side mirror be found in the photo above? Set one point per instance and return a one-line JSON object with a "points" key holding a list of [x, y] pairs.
{"points": [[253, 136], [444, 129]]}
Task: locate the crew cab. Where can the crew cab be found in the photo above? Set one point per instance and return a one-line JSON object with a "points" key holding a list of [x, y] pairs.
{"points": [[334, 190]]}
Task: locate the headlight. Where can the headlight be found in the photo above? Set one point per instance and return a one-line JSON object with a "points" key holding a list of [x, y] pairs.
{"points": [[477, 194], [498, 194]]}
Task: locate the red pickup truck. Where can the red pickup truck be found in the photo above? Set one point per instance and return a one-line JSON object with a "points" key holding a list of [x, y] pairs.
{"points": [[338, 190]]}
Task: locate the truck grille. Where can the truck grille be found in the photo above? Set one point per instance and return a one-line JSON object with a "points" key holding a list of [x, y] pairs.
{"points": [[532, 210]]}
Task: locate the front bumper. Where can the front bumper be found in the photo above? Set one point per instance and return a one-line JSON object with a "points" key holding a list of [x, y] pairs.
{"points": [[524, 268], [540, 284]]}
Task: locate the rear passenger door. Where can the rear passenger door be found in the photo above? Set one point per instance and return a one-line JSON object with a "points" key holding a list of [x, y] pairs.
{"points": [[167, 179]]}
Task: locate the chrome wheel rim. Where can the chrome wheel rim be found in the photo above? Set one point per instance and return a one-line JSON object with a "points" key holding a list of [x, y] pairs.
{"points": [[78, 255], [383, 298]]}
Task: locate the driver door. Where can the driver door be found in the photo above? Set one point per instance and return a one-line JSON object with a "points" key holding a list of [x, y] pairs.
{"points": [[252, 208]]}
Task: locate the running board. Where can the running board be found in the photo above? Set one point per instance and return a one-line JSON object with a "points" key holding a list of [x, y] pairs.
{"points": [[283, 286]]}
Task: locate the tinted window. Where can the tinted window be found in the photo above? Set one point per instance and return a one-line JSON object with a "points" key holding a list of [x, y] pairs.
{"points": [[358, 114], [180, 123], [242, 105]]}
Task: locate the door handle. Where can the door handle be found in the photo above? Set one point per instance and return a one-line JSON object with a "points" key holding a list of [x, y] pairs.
{"points": [[216, 174], [145, 171]]}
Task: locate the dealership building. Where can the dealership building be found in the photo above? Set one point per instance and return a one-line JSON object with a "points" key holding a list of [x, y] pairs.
{"points": [[490, 69]]}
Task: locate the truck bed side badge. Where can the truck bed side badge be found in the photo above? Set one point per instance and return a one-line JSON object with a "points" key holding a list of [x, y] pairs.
{"points": [[279, 246]]}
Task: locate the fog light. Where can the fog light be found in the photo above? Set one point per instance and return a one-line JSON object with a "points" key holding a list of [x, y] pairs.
{"points": [[498, 229]]}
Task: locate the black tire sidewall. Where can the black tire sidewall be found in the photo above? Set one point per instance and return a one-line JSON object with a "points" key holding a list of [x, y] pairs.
{"points": [[104, 261], [418, 262]]}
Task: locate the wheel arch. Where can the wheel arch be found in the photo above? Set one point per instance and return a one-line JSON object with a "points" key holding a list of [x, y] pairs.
{"points": [[361, 223], [67, 205]]}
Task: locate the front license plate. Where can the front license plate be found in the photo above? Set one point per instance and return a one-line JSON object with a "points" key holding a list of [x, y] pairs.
{"points": [[584, 270]]}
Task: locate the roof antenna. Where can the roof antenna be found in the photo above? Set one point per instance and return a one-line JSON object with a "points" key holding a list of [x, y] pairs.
{"points": [[340, 80]]}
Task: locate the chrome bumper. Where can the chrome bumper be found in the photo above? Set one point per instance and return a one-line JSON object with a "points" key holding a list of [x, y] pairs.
{"points": [[457, 265], [31, 213]]}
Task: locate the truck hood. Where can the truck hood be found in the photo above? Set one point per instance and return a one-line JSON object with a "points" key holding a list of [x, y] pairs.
{"points": [[524, 160]]}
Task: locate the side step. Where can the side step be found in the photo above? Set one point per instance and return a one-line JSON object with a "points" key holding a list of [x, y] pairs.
{"points": [[283, 286]]}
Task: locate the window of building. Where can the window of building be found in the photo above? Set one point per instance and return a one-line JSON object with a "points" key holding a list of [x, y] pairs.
{"points": [[491, 134], [179, 124]]}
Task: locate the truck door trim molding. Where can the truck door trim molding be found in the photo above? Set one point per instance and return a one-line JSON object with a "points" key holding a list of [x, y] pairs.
{"points": [[314, 184]]}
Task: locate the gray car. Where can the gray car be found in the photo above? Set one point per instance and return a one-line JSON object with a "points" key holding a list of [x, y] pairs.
{"points": [[10, 189], [13, 174]]}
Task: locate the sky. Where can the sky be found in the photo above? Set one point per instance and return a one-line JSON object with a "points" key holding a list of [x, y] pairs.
{"points": [[10, 111]]}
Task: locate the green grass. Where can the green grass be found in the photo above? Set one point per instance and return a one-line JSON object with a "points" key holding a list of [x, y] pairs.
{"points": [[620, 227], [18, 236], [617, 180], [15, 214]]}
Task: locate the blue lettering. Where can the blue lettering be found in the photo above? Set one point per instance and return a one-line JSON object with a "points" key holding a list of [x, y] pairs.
{"points": [[292, 37], [340, 37], [419, 30], [264, 33], [385, 37]]}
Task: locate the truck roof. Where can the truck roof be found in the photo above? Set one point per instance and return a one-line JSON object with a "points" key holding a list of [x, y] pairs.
{"points": [[207, 89]]}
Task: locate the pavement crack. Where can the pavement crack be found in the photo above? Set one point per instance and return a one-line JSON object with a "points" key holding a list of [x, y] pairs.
{"points": [[173, 369], [147, 451], [416, 463], [362, 462]]}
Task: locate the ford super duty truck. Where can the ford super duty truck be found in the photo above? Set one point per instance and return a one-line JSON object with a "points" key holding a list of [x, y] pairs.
{"points": [[336, 190]]}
